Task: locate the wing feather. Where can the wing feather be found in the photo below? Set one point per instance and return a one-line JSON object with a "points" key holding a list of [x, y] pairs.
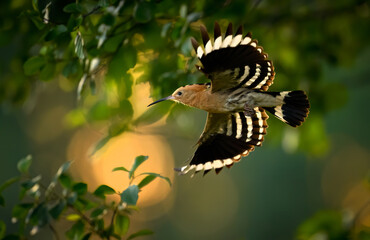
{"points": [[227, 138], [226, 60]]}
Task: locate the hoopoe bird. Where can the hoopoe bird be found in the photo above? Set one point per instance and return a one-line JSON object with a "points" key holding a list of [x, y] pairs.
{"points": [[236, 99]]}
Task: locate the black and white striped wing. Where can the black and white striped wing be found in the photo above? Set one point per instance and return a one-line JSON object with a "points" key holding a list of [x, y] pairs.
{"points": [[226, 138], [233, 61]]}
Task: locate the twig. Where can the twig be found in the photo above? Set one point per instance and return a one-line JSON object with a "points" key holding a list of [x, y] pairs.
{"points": [[111, 227], [54, 232], [92, 11]]}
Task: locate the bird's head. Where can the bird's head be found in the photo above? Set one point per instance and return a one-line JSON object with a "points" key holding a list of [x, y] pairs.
{"points": [[186, 95]]}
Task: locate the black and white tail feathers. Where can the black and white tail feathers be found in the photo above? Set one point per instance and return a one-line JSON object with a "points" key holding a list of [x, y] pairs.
{"points": [[295, 108]]}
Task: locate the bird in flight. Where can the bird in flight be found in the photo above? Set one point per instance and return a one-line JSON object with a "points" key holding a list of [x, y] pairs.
{"points": [[236, 99]]}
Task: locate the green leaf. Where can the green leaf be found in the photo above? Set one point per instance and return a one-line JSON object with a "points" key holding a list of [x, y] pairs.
{"points": [[107, 19], [40, 215], [74, 22], [121, 224], [165, 29], [328, 222], [117, 128], [130, 195], [83, 204], [35, 18], [9, 182], [103, 3], [72, 198], [73, 8], [193, 17], [100, 144], [126, 110], [153, 114], [143, 232], [2, 229], [24, 164], [62, 169], [100, 111], [120, 169], [111, 44], [81, 85], [47, 72], [70, 68], [55, 32], [66, 181], [58, 209], [92, 86], [151, 177], [125, 86], [146, 181], [183, 11], [79, 43], [121, 62], [28, 184], [33, 65], [75, 118], [138, 161], [99, 224], [80, 188], [76, 231], [73, 217], [87, 236], [103, 190], [20, 211], [98, 212], [142, 12]]}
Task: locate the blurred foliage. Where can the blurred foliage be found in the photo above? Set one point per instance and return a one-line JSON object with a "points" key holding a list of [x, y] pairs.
{"points": [[332, 225], [64, 199], [100, 47]]}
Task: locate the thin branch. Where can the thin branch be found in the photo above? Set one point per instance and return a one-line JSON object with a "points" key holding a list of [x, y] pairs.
{"points": [[96, 9], [54, 232]]}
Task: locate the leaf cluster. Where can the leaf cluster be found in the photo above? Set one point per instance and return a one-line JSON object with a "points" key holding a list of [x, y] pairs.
{"points": [[334, 225], [63, 198]]}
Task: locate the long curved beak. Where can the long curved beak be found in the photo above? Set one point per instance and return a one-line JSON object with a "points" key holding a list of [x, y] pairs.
{"points": [[161, 100]]}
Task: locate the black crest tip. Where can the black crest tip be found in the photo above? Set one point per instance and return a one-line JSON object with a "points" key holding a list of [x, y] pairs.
{"points": [[239, 31], [194, 43], [229, 30], [217, 30], [204, 33]]}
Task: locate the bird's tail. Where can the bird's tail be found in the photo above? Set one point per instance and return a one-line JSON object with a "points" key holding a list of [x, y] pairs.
{"points": [[294, 109]]}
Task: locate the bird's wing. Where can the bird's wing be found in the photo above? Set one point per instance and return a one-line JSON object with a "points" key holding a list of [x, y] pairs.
{"points": [[233, 61], [226, 138]]}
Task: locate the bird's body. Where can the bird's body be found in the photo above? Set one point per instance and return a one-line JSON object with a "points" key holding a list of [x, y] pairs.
{"points": [[225, 101], [235, 100]]}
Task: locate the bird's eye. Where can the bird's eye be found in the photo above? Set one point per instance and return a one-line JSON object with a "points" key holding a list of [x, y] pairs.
{"points": [[179, 93]]}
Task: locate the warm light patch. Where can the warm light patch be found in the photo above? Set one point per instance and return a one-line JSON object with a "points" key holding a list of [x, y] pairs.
{"points": [[121, 151]]}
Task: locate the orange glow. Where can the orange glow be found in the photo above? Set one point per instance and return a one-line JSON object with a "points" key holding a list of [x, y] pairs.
{"points": [[122, 151]]}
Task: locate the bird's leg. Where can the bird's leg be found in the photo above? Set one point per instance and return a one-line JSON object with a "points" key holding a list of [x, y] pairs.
{"points": [[248, 110]]}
